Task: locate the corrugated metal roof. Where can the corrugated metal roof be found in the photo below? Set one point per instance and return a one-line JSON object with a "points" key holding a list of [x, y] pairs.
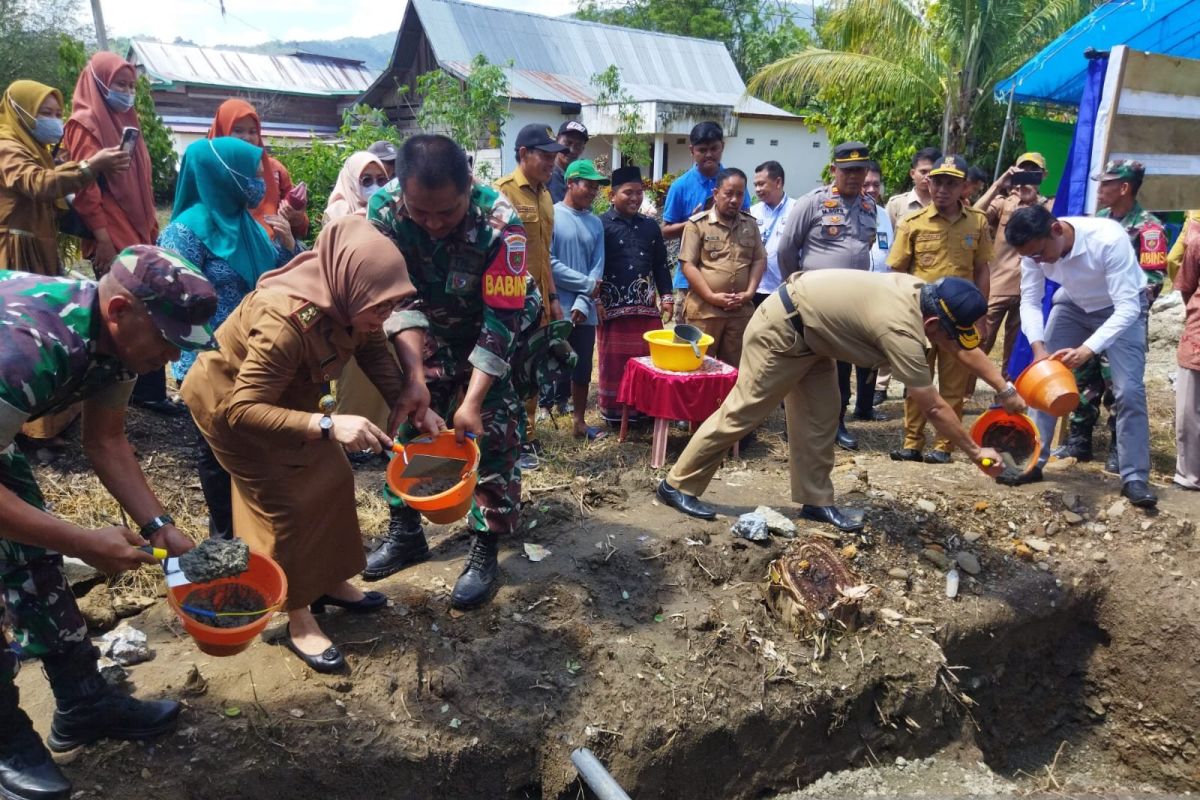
{"points": [[291, 74], [553, 58]]}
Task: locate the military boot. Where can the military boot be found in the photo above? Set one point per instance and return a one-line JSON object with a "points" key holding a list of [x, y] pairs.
{"points": [[26, 770], [403, 545], [1112, 464], [1078, 444], [89, 709], [480, 577]]}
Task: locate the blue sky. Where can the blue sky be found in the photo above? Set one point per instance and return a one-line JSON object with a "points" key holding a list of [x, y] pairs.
{"points": [[250, 22]]}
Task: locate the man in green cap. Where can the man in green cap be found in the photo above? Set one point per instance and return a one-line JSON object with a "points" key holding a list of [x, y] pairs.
{"points": [[67, 341], [577, 259]]}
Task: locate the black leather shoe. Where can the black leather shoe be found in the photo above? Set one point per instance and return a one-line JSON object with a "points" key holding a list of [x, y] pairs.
{"points": [[328, 660], [1140, 494], [403, 545], [26, 770], [880, 397], [1112, 464], [372, 601], [166, 406], [480, 577], [840, 517], [684, 502], [1020, 478], [906, 454], [844, 439], [871, 415], [110, 716], [937, 457]]}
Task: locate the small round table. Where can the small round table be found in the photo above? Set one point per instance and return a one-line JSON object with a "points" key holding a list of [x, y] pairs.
{"points": [[667, 395]]}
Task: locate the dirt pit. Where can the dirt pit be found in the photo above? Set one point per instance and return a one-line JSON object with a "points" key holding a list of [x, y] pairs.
{"points": [[1068, 663]]}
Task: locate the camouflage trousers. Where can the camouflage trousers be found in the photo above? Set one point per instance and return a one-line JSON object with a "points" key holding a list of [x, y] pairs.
{"points": [[497, 503], [35, 599]]}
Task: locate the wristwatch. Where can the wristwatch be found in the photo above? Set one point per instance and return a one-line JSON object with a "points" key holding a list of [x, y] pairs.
{"points": [[155, 525], [550, 298], [1008, 391], [86, 169], [326, 426]]}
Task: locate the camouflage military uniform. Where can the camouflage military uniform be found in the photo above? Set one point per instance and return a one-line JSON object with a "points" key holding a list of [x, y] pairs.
{"points": [[48, 361], [1149, 240], [474, 298]]}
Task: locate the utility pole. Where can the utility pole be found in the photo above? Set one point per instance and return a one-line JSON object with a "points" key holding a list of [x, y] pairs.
{"points": [[98, 19]]}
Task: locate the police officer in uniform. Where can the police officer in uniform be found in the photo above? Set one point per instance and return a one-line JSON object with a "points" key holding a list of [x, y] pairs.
{"points": [[834, 227], [1117, 200], [944, 239]]}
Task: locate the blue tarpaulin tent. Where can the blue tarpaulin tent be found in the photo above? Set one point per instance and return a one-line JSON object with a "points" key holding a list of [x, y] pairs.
{"points": [[1057, 74]]}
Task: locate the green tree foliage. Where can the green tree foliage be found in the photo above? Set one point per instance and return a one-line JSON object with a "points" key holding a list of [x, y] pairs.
{"points": [[318, 162], [39, 40], [471, 111], [158, 142], [619, 103], [932, 56], [756, 32]]}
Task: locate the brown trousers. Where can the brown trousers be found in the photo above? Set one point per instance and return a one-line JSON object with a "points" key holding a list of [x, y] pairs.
{"points": [[1006, 311], [728, 333], [776, 365], [952, 379]]}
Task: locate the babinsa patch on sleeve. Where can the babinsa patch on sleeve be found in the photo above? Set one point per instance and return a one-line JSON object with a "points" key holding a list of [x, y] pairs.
{"points": [[307, 315], [1153, 248], [505, 280]]}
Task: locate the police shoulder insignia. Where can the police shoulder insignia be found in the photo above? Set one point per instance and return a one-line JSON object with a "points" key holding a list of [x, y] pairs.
{"points": [[831, 203], [307, 315]]}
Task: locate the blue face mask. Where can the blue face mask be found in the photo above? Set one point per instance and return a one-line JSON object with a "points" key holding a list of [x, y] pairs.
{"points": [[367, 191], [47, 130], [256, 190], [119, 101]]}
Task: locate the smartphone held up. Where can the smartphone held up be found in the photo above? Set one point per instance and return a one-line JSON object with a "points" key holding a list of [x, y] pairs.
{"points": [[129, 137]]}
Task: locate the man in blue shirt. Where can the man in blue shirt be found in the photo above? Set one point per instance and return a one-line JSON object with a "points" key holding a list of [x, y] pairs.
{"points": [[691, 191]]}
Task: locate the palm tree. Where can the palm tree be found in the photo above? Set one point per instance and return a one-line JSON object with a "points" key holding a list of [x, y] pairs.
{"points": [[945, 52]]}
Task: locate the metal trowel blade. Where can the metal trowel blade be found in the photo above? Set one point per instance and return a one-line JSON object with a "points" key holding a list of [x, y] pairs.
{"points": [[426, 466]]}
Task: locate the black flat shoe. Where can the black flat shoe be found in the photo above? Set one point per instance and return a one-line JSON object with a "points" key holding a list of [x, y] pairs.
{"points": [[1008, 478], [880, 397], [1139, 494], [871, 415], [845, 440], [906, 454], [372, 601], [937, 457], [167, 407], [330, 660], [840, 517], [684, 502]]}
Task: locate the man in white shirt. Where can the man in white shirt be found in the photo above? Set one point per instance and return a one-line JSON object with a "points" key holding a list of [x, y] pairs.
{"points": [[770, 212], [1101, 307], [873, 188]]}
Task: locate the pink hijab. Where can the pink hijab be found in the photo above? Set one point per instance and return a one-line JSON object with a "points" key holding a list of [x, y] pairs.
{"points": [[347, 197]]}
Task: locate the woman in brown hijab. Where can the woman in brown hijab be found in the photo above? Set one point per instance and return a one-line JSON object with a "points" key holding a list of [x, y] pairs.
{"points": [[258, 402]]}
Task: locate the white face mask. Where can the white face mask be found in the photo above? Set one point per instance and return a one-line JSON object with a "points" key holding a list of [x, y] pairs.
{"points": [[367, 191]]}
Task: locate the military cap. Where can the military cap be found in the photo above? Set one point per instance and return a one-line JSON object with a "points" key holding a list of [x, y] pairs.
{"points": [[958, 304], [954, 166], [383, 150], [178, 297], [851, 154], [1121, 170]]}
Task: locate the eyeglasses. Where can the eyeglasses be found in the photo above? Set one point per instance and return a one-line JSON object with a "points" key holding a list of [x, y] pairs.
{"points": [[367, 181]]}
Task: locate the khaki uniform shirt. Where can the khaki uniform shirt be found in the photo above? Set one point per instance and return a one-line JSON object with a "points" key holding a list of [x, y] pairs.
{"points": [[536, 209], [901, 205], [864, 318], [1175, 257], [725, 255], [1006, 262], [826, 231], [930, 246]]}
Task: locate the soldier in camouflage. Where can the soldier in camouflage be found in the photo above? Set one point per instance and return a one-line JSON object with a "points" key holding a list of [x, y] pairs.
{"points": [[67, 341], [465, 250], [1117, 199]]}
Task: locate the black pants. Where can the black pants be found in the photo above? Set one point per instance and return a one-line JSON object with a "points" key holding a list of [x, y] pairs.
{"points": [[865, 388], [218, 490], [150, 387]]}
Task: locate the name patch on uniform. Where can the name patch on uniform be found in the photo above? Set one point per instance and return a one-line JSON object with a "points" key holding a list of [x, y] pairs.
{"points": [[969, 241], [882, 238], [307, 315], [505, 280]]}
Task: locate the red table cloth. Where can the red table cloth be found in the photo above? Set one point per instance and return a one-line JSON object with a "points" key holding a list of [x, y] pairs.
{"points": [[690, 396]]}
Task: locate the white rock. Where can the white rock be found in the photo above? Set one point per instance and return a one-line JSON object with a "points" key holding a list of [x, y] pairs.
{"points": [[1170, 300], [78, 572], [928, 506], [1040, 545], [126, 645], [1117, 509], [777, 523]]}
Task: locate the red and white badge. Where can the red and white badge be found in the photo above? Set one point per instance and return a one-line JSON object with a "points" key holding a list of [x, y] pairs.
{"points": [[1153, 250], [506, 277]]}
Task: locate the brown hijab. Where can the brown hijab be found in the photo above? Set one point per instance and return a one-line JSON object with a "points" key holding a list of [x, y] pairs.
{"points": [[351, 268], [133, 190]]}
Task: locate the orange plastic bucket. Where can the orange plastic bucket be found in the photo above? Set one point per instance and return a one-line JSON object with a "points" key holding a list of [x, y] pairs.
{"points": [[1048, 386], [264, 576], [1014, 434], [443, 507]]}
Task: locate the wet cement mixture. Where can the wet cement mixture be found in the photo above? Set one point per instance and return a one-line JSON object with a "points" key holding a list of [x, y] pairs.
{"points": [[1067, 665], [428, 487], [214, 559], [226, 606]]}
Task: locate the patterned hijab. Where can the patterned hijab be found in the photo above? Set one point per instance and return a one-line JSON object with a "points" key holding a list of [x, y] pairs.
{"points": [[211, 201]]}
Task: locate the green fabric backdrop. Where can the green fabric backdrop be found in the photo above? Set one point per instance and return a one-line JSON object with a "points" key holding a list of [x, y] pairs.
{"points": [[1053, 140]]}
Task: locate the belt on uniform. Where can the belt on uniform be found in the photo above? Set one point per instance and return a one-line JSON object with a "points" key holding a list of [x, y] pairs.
{"points": [[790, 308]]}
